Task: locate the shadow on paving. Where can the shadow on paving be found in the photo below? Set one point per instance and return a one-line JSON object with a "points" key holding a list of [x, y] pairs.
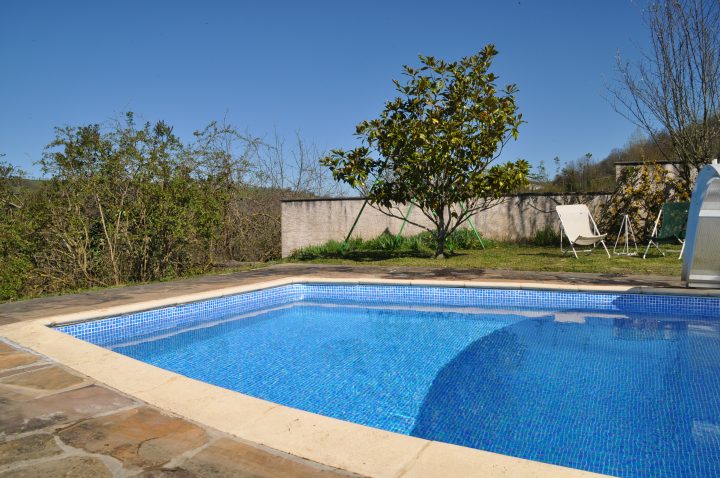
{"points": [[64, 304]]}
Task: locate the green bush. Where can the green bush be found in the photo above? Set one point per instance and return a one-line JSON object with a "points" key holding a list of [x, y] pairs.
{"points": [[329, 249], [419, 244], [640, 193], [384, 242], [463, 239]]}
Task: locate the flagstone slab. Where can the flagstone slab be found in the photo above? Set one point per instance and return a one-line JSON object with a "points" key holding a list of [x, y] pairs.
{"points": [[29, 447], [229, 458], [10, 395], [167, 473], [16, 359], [75, 466], [141, 437], [27, 368], [60, 408], [50, 378]]}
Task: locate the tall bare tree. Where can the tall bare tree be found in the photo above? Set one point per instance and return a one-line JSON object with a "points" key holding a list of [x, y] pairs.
{"points": [[673, 91], [296, 169]]}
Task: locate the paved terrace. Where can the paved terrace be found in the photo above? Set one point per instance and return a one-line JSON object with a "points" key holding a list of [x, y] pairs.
{"points": [[66, 304], [55, 422]]}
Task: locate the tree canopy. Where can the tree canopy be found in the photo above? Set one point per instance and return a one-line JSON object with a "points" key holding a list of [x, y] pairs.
{"points": [[433, 145], [126, 202]]}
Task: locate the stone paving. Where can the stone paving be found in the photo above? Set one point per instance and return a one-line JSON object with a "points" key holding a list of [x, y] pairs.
{"points": [[55, 423], [32, 309]]}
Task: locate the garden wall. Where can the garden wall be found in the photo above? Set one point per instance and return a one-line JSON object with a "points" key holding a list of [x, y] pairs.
{"points": [[312, 222]]}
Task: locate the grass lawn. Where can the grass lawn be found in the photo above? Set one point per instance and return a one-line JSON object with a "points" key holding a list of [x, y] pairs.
{"points": [[518, 257]]}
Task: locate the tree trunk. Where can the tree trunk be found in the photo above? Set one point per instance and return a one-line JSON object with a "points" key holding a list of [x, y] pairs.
{"points": [[440, 249]]}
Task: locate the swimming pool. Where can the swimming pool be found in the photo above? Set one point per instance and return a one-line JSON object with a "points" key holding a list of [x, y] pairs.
{"points": [[623, 384]]}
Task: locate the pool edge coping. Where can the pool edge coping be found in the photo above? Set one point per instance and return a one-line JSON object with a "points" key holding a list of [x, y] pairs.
{"points": [[345, 445], [123, 309]]}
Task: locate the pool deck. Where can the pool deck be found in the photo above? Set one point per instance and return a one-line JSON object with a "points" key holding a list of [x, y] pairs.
{"points": [[36, 308], [55, 422], [98, 417]]}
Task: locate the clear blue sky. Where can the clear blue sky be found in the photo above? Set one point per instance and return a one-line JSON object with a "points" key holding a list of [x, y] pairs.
{"points": [[314, 67]]}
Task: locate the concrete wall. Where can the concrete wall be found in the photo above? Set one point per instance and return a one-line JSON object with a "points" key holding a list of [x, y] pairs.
{"points": [[315, 221]]}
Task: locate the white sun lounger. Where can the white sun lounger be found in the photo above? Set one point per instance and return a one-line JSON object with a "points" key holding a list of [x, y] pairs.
{"points": [[576, 222]]}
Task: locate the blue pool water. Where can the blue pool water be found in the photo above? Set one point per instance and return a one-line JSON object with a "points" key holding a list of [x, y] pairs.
{"points": [[625, 385]]}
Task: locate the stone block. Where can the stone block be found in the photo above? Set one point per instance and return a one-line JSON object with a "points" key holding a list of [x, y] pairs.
{"points": [[16, 359], [74, 466], [51, 378], [59, 409], [30, 447], [229, 458], [141, 437]]}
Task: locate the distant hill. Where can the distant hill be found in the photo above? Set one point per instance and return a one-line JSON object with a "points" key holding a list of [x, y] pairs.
{"points": [[588, 175]]}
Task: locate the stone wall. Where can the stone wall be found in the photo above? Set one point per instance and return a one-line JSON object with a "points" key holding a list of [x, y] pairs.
{"points": [[315, 221]]}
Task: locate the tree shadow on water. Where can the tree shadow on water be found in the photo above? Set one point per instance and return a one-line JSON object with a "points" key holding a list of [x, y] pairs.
{"points": [[538, 388], [472, 389]]}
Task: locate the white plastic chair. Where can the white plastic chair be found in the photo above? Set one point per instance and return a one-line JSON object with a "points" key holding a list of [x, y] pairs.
{"points": [[576, 222]]}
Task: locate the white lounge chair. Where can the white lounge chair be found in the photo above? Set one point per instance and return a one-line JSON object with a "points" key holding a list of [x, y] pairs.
{"points": [[576, 222]]}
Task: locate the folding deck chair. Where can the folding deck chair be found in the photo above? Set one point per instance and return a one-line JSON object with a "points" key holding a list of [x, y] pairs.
{"points": [[576, 221], [674, 217]]}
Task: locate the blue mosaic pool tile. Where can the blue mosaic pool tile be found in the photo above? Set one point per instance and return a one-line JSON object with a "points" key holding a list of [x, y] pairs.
{"points": [[131, 326], [521, 298]]}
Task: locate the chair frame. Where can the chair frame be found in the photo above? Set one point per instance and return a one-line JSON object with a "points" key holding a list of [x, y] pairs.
{"points": [[656, 244], [572, 246]]}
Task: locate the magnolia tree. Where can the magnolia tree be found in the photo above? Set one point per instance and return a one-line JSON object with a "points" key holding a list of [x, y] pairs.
{"points": [[434, 145]]}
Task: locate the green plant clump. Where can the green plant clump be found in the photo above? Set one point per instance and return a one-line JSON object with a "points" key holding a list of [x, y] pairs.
{"points": [[547, 236], [420, 245]]}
